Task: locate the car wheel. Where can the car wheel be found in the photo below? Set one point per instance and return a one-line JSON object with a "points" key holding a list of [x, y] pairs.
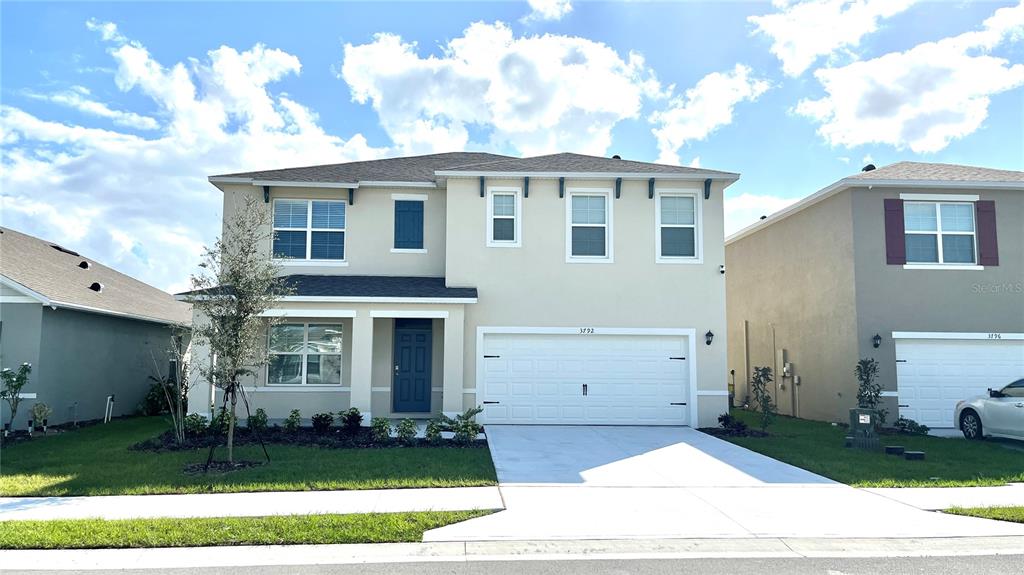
{"points": [[970, 425]]}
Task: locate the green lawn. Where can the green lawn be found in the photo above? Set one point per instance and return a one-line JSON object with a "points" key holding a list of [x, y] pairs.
{"points": [[96, 461], [1014, 514], [203, 532], [949, 462]]}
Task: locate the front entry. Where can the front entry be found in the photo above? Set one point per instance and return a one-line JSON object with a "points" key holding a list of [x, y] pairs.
{"points": [[410, 390]]}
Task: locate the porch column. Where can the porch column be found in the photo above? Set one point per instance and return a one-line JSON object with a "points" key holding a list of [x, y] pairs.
{"points": [[362, 364], [451, 403]]}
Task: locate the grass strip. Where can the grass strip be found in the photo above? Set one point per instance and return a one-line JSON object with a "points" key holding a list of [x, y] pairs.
{"points": [[1013, 514]]}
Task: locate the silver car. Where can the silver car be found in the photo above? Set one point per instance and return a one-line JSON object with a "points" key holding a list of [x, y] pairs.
{"points": [[1000, 414]]}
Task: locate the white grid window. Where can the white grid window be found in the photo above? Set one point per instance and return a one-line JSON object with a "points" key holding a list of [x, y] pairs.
{"points": [[304, 354], [588, 220], [309, 229], [940, 233], [677, 227], [504, 224]]}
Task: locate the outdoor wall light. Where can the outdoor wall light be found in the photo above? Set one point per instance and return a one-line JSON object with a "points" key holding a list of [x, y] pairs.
{"points": [[708, 337], [876, 341]]}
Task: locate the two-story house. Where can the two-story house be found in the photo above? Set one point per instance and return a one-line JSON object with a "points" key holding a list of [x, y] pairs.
{"points": [[917, 265], [560, 289]]}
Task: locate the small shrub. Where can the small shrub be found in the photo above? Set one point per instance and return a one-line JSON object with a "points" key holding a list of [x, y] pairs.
{"points": [[40, 413], [762, 397], [195, 424], [910, 427], [732, 424], [406, 430], [257, 420], [380, 428], [433, 432], [155, 401], [322, 422], [221, 420], [869, 391], [464, 426], [351, 421], [293, 422]]}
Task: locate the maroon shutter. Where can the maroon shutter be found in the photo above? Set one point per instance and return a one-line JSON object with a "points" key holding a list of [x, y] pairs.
{"points": [[895, 243], [988, 248]]}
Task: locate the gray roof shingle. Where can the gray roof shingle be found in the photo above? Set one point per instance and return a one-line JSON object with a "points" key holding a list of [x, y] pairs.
{"points": [[580, 163], [405, 169], [56, 275], [924, 171], [362, 286]]}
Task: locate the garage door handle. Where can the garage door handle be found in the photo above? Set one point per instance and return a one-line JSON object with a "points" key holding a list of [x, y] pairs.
{"points": [[902, 405], [491, 402], [491, 356], [677, 358], [682, 403]]}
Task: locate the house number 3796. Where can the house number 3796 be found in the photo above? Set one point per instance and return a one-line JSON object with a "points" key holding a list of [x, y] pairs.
{"points": [[586, 330]]}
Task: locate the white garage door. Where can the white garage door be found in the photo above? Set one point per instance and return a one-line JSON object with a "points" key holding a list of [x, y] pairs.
{"points": [[585, 379], [933, 374]]}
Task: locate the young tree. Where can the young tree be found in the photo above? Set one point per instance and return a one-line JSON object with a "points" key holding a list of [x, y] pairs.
{"points": [[238, 282], [13, 382], [762, 377], [869, 391], [178, 380]]}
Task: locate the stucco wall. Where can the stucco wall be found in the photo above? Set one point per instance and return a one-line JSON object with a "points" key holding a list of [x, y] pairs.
{"points": [[20, 331], [85, 357], [792, 284], [534, 286], [369, 233], [891, 298]]}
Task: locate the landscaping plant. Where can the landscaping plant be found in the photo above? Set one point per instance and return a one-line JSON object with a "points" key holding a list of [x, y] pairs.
{"points": [[322, 422], [759, 383], [169, 392], [380, 428], [464, 426], [293, 422], [910, 427], [40, 414], [433, 431], [236, 285], [257, 420], [194, 425], [11, 393], [732, 424], [351, 421], [869, 391], [405, 431]]}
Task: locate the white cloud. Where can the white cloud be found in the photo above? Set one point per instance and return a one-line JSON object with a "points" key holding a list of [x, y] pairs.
{"points": [[77, 98], [548, 9], [695, 162], [703, 109], [536, 94], [142, 204], [922, 98], [803, 32], [746, 209]]}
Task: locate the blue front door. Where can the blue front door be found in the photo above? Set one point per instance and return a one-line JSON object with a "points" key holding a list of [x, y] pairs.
{"points": [[411, 385]]}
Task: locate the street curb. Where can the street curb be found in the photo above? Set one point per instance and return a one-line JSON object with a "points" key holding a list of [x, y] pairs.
{"points": [[461, 552]]}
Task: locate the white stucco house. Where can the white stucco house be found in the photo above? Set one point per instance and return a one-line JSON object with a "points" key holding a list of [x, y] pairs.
{"points": [[560, 289]]}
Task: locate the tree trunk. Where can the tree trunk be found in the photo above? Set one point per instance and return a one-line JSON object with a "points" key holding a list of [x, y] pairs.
{"points": [[231, 426]]}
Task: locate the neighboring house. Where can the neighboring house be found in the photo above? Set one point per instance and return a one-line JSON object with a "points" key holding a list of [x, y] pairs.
{"points": [[87, 330], [919, 266], [560, 289]]}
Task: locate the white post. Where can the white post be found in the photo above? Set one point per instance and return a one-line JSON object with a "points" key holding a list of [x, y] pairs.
{"points": [[362, 364], [451, 404]]}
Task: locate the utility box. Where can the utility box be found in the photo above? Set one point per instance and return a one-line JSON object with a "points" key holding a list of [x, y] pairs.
{"points": [[863, 433]]}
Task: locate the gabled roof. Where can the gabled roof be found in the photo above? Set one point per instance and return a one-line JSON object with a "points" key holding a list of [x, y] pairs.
{"points": [[56, 276], [568, 163], [362, 288], [901, 175], [405, 169]]}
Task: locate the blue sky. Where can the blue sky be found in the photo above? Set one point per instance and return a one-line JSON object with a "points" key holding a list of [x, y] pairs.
{"points": [[113, 114]]}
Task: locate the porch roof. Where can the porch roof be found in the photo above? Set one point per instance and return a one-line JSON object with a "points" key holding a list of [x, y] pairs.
{"points": [[375, 286]]}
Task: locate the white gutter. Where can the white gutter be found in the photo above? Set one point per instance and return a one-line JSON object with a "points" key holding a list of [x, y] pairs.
{"points": [[333, 185], [846, 183], [79, 307], [354, 299]]}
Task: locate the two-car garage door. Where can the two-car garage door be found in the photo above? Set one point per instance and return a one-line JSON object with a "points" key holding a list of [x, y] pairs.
{"points": [[585, 378], [933, 374]]}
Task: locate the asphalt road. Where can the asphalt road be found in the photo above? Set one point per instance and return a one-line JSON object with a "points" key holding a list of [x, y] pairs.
{"points": [[988, 564]]}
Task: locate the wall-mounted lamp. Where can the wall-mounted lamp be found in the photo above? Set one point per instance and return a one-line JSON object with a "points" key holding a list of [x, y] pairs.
{"points": [[876, 341], [708, 337]]}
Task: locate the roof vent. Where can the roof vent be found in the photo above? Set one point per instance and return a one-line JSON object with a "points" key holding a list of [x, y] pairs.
{"points": [[96, 287], [84, 265], [616, 157], [764, 217], [868, 168], [64, 250]]}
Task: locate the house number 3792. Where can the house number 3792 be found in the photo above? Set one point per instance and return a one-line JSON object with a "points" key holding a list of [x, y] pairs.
{"points": [[586, 330]]}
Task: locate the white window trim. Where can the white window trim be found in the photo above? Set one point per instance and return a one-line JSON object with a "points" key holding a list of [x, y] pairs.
{"points": [[947, 267], [938, 233], [517, 218], [303, 354], [408, 198], [955, 198], [309, 261], [408, 250], [609, 238], [698, 227]]}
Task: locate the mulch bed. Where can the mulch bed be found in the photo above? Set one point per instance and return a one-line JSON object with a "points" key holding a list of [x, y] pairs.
{"points": [[334, 438], [220, 467], [722, 432]]}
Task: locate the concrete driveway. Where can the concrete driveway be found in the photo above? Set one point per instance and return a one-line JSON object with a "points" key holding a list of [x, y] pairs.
{"points": [[590, 482]]}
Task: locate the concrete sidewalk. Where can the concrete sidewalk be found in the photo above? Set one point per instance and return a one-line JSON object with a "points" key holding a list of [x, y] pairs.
{"points": [[251, 504], [279, 556], [938, 498]]}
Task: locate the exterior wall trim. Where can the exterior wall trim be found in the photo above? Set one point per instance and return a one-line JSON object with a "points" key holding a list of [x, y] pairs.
{"points": [[34, 295], [956, 335], [370, 299], [729, 177], [18, 299], [689, 333], [409, 197], [951, 267], [299, 389], [412, 313], [308, 312], [713, 392]]}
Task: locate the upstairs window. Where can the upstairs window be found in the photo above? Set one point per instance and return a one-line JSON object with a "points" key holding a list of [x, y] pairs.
{"points": [[939, 233], [503, 217], [408, 225], [589, 223], [677, 235], [309, 229]]}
